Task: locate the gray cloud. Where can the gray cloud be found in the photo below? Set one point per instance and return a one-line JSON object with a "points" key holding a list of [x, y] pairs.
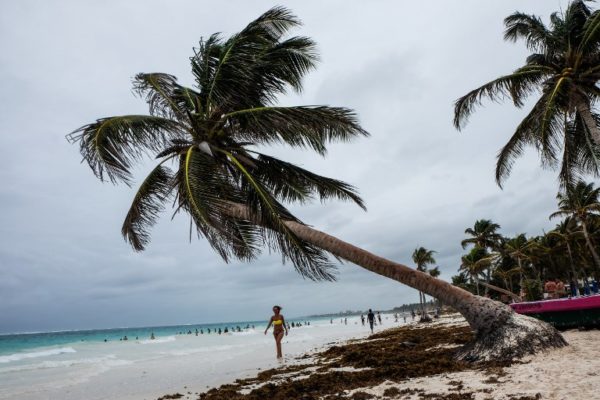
{"points": [[65, 63]]}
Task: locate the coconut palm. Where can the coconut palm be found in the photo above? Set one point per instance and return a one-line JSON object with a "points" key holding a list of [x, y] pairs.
{"points": [[581, 202], [423, 257], [485, 236], [566, 233], [517, 249], [474, 263], [564, 66], [236, 195]]}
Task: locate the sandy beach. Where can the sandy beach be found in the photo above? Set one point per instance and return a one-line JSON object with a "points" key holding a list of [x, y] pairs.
{"points": [[146, 369], [415, 362]]}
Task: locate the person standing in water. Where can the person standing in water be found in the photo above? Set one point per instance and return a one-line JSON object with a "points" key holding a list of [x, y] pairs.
{"points": [[371, 319], [279, 326]]}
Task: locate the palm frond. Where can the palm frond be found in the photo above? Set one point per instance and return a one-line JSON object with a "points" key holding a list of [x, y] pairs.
{"points": [[204, 191], [204, 64], [552, 123], [147, 204], [111, 145], [304, 126], [581, 156], [516, 85], [591, 33], [283, 64], [233, 77], [514, 148], [575, 18], [159, 91], [308, 260], [529, 28], [292, 183]]}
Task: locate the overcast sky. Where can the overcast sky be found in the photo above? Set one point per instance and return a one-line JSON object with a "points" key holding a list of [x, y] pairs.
{"points": [[399, 64]]}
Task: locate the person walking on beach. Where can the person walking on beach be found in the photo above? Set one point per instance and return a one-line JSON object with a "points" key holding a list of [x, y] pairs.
{"points": [[362, 319], [279, 326], [379, 317], [371, 318]]}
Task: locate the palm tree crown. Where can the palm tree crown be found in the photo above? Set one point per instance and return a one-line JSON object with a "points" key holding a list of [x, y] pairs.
{"points": [[565, 68], [423, 257], [578, 200], [483, 234], [210, 133]]}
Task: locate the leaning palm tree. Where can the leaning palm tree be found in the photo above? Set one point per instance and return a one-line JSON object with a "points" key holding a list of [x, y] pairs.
{"points": [[564, 66], [236, 195], [581, 202], [423, 257]]}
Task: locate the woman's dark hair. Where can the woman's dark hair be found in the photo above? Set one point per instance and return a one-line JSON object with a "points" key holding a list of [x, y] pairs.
{"points": [[277, 307]]}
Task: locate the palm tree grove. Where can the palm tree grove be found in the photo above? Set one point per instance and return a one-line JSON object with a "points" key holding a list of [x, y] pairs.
{"points": [[209, 145]]}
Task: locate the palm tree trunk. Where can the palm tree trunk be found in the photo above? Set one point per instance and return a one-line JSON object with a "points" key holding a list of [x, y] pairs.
{"points": [[588, 241], [520, 273], [572, 264], [487, 280], [504, 291], [495, 324], [583, 107]]}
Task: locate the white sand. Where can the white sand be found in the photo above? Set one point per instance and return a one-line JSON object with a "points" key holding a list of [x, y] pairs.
{"points": [[572, 372]]}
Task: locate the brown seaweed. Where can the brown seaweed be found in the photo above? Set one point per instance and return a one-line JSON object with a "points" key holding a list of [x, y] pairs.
{"points": [[392, 355]]}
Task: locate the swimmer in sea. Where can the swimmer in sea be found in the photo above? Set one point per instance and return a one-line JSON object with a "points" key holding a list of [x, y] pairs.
{"points": [[279, 326]]}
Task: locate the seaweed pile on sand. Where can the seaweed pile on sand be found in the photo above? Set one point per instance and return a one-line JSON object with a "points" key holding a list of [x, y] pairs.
{"points": [[340, 372]]}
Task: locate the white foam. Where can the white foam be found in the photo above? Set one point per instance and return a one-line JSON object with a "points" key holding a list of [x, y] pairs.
{"points": [[246, 333], [107, 361], [209, 349], [35, 354], [160, 340]]}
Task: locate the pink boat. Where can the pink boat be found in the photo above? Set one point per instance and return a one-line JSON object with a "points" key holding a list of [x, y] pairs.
{"points": [[564, 313]]}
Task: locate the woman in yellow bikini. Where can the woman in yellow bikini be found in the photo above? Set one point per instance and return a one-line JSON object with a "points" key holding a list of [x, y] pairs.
{"points": [[279, 327]]}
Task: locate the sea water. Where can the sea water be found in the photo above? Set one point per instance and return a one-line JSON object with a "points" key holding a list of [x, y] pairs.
{"points": [[98, 364]]}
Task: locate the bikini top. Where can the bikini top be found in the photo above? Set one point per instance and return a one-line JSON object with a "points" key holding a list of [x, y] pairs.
{"points": [[277, 322]]}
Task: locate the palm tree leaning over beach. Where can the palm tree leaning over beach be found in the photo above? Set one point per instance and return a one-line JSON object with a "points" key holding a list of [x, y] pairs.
{"points": [[423, 257], [235, 195], [581, 202], [564, 66]]}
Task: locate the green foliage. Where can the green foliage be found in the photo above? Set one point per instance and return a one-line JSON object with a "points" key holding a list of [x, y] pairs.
{"points": [[533, 289], [209, 134], [423, 257], [564, 69]]}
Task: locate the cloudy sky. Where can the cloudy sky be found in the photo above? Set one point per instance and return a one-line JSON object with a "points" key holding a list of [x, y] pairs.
{"points": [[400, 65]]}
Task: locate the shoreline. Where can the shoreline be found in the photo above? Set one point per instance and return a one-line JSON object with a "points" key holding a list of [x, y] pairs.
{"points": [[147, 369], [415, 362]]}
